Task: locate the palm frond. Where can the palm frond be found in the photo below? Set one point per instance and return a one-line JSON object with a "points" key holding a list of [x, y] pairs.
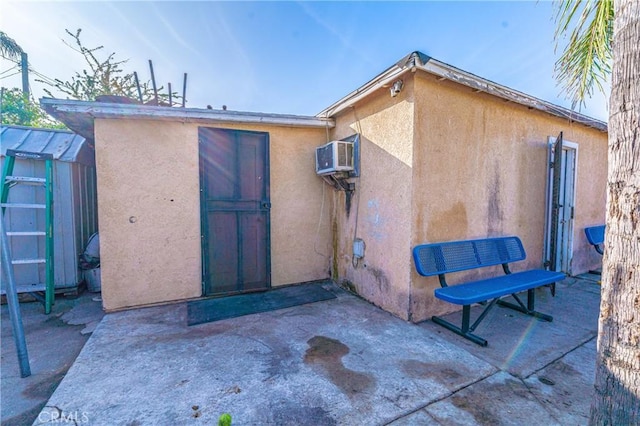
{"points": [[586, 61], [8, 47]]}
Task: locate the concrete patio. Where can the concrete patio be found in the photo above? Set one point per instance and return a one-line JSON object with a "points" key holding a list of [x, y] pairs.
{"points": [[341, 361], [53, 342]]}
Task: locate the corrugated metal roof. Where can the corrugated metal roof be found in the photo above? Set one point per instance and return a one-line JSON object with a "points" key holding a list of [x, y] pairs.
{"points": [[62, 144]]}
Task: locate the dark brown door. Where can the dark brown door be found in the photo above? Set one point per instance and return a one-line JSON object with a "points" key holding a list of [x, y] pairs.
{"points": [[234, 190]]}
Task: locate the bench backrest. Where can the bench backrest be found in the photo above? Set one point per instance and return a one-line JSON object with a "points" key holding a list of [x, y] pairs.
{"points": [[454, 256], [595, 234]]}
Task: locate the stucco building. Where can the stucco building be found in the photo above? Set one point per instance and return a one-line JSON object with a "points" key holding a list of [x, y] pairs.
{"points": [[196, 202]]}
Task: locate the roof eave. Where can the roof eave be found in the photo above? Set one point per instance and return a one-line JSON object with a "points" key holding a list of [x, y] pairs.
{"points": [[418, 60], [79, 115], [384, 79]]}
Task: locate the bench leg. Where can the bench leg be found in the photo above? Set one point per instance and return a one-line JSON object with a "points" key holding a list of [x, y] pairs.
{"points": [[465, 330], [529, 309]]}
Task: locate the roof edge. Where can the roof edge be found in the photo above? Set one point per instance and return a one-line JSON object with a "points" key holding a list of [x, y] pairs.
{"points": [[62, 145], [381, 80], [46, 129], [61, 107], [418, 60]]}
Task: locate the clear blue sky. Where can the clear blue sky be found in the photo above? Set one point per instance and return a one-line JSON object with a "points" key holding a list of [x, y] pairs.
{"points": [[291, 57]]}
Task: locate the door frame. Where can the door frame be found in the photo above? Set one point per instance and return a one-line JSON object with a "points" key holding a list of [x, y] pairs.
{"points": [[204, 228], [565, 253]]}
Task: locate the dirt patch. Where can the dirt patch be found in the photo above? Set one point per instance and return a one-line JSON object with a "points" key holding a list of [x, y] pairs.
{"points": [[191, 333], [26, 417], [45, 387], [562, 367], [279, 361], [327, 354], [475, 408], [442, 373], [291, 413], [475, 403]]}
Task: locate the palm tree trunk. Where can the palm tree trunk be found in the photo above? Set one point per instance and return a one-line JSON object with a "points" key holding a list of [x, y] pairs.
{"points": [[616, 398]]}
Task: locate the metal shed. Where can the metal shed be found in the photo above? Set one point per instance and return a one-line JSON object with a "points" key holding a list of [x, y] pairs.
{"points": [[75, 215]]}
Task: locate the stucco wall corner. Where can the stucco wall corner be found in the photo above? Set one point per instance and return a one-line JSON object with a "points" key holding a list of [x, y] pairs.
{"points": [[381, 204]]}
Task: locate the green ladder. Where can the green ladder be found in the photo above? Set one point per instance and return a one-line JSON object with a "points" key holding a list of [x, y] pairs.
{"points": [[8, 182]]}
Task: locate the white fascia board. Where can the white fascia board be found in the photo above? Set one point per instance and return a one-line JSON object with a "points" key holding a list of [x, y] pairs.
{"points": [[187, 115], [383, 80], [451, 73]]}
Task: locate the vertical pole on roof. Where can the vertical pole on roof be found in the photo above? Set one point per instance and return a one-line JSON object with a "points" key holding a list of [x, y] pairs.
{"points": [[14, 307], [153, 80], [170, 96], [135, 75], [184, 90], [24, 64]]}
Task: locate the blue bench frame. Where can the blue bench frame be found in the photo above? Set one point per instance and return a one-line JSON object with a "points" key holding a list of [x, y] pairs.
{"points": [[455, 256], [595, 236]]}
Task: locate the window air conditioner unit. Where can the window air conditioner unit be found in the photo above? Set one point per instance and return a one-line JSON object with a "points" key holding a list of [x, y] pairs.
{"points": [[334, 157]]}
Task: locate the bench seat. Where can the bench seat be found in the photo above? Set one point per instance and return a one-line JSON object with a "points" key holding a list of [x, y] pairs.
{"points": [[490, 288], [456, 256]]}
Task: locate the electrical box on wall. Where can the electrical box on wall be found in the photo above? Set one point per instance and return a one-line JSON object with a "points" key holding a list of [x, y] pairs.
{"points": [[334, 157]]}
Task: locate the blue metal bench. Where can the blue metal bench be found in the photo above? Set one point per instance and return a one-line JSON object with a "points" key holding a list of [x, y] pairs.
{"points": [[595, 236], [444, 258]]}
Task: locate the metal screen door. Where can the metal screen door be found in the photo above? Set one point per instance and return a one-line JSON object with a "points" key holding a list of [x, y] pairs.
{"points": [[562, 204], [234, 199]]}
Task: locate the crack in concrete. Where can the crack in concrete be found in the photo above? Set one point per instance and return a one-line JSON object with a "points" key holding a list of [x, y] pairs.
{"points": [[450, 394]]}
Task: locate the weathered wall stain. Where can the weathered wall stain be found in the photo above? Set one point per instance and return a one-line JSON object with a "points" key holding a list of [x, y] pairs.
{"points": [[376, 222], [334, 244], [349, 286], [495, 214], [380, 278], [327, 354], [449, 224]]}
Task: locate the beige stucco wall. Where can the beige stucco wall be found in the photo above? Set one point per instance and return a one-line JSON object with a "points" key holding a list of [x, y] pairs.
{"points": [[480, 169], [149, 209], [442, 162], [591, 193], [381, 205], [438, 162]]}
